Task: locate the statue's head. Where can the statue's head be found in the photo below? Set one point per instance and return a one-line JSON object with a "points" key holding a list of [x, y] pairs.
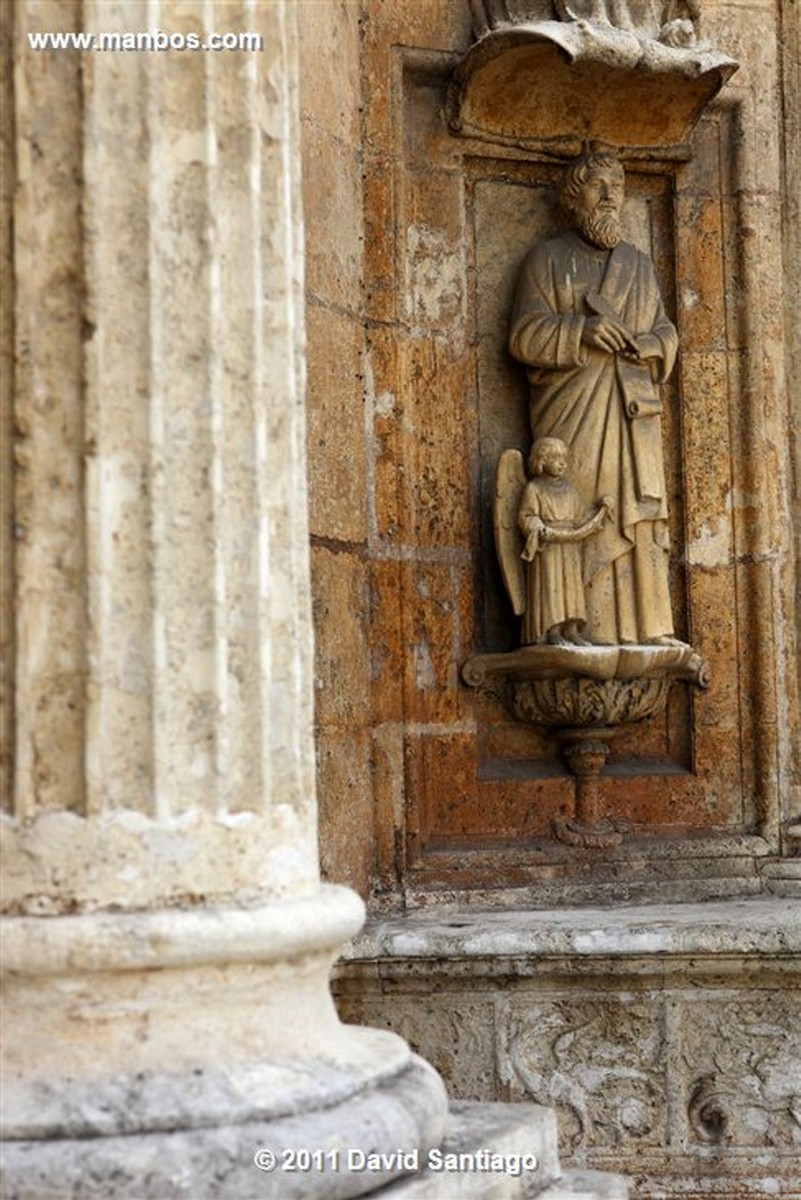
{"points": [[591, 194], [548, 456]]}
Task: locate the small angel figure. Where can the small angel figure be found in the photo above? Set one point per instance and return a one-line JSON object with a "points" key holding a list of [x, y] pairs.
{"points": [[552, 517]]}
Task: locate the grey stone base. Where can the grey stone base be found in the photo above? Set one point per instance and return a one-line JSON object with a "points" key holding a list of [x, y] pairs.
{"points": [[489, 1152], [307, 1153], [666, 1037]]}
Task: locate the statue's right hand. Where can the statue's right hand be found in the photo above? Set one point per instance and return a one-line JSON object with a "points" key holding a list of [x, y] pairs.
{"points": [[605, 333]]}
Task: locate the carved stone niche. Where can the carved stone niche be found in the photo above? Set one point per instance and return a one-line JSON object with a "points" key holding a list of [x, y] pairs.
{"points": [[581, 535], [552, 75]]}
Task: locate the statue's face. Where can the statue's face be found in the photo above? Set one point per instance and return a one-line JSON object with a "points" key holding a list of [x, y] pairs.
{"points": [[554, 461], [601, 192], [598, 205]]}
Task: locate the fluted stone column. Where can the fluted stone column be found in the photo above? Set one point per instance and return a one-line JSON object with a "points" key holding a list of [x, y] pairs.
{"points": [[167, 939]]}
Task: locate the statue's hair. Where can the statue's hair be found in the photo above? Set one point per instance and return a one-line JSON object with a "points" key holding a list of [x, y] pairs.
{"points": [[578, 172], [538, 448]]}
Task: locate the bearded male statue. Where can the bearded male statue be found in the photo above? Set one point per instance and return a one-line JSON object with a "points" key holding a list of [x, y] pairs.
{"points": [[590, 326]]}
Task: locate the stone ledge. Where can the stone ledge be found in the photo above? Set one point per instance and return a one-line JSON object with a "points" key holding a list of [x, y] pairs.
{"points": [[782, 877], [514, 1133], [710, 1173], [758, 926], [665, 1036], [587, 1185]]}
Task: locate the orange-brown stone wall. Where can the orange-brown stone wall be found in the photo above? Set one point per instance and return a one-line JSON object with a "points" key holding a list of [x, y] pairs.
{"points": [[414, 236], [338, 449]]}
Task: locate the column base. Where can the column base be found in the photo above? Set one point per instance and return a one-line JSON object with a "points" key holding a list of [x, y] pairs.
{"points": [[188, 1042], [304, 1155]]}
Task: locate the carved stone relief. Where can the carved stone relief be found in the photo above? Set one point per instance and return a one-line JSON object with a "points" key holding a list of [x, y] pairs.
{"points": [[601, 1063], [743, 1071], [674, 22], [458, 1039], [590, 327], [606, 1064]]}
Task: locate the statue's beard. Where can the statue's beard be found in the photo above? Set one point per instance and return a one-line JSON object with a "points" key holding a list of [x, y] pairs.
{"points": [[601, 229]]}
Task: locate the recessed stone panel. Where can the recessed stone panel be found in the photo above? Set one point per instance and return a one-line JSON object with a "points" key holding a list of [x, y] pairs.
{"points": [[599, 1061], [740, 1059]]}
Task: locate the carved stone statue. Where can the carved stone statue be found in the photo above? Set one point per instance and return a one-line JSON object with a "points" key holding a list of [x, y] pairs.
{"points": [[543, 522], [590, 326], [670, 21], [585, 559]]}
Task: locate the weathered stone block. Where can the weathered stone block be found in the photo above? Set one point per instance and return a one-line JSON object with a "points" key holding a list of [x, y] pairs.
{"points": [[329, 67], [599, 1060], [388, 661], [463, 1032], [346, 807], [382, 285], [436, 387], [442, 795], [701, 281], [335, 434], [340, 608], [434, 278], [740, 1060], [332, 178]]}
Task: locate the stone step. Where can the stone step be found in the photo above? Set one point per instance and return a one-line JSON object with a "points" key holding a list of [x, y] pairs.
{"points": [[587, 1185], [501, 1152]]}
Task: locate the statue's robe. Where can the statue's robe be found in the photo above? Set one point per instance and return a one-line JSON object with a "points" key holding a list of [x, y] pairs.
{"points": [[607, 410], [554, 585]]}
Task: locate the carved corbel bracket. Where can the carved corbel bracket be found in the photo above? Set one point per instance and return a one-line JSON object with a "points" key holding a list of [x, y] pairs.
{"points": [[555, 85], [586, 694]]}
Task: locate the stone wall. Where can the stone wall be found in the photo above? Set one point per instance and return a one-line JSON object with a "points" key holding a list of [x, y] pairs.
{"points": [[462, 797], [331, 125], [664, 1036]]}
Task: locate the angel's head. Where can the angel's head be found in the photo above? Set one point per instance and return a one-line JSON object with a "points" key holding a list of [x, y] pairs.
{"points": [[548, 456]]}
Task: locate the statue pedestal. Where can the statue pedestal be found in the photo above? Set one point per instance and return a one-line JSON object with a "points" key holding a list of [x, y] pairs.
{"points": [[585, 753], [585, 694]]}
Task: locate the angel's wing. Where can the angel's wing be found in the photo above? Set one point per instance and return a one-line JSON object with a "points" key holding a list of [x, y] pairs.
{"points": [[510, 479]]}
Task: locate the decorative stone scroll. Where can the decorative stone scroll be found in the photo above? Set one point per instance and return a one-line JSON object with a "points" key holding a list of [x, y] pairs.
{"points": [[633, 73], [583, 543]]}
